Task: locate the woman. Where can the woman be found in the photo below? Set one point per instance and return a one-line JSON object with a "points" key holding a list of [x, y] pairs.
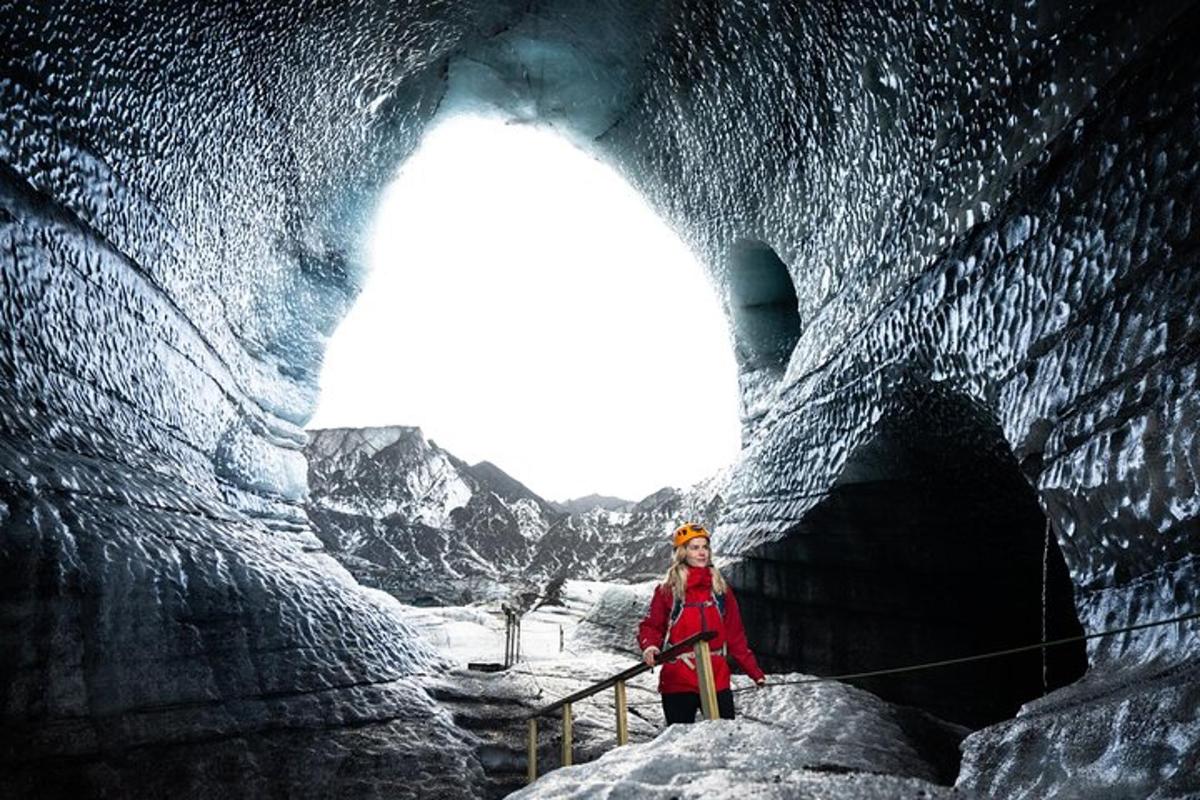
{"points": [[694, 598]]}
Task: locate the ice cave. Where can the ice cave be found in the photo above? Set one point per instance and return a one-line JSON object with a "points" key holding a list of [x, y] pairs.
{"points": [[955, 247]]}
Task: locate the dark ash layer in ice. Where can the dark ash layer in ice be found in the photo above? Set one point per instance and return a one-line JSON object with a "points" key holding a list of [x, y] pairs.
{"points": [[997, 200]]}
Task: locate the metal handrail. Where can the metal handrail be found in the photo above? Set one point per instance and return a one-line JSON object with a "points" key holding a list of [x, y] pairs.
{"points": [[708, 695]]}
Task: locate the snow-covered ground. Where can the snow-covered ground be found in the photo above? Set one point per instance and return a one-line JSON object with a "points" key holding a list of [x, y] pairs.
{"points": [[562, 651], [723, 759], [475, 633], [790, 740]]}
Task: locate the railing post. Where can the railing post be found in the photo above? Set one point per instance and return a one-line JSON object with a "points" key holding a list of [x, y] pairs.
{"points": [[622, 715], [566, 742], [698, 644], [704, 673], [531, 769]]}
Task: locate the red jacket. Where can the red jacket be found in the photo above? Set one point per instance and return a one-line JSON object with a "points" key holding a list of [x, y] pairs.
{"points": [[680, 675]]}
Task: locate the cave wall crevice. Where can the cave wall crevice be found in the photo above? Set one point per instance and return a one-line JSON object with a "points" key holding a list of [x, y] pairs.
{"points": [[930, 546]]}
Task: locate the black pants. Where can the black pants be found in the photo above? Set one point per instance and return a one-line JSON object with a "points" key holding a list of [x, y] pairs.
{"points": [[682, 706]]}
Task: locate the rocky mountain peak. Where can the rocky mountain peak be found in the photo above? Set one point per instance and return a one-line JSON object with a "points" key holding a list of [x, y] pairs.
{"points": [[411, 518]]}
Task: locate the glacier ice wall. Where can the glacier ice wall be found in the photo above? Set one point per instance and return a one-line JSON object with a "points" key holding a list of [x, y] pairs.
{"points": [[996, 198], [1002, 206], [176, 226], [998, 201]]}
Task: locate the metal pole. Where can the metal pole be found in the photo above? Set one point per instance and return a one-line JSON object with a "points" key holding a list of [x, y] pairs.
{"points": [[708, 689], [508, 637]]}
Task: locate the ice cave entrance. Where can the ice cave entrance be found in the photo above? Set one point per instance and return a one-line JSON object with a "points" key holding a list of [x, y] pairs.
{"points": [[930, 546], [524, 305]]}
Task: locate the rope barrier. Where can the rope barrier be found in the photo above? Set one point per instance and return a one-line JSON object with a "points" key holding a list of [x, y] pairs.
{"points": [[912, 667], [980, 656], [709, 701], [963, 659], [1045, 605]]}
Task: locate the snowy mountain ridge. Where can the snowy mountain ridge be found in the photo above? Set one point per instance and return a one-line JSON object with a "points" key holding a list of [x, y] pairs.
{"points": [[409, 517], [432, 484], [589, 502]]}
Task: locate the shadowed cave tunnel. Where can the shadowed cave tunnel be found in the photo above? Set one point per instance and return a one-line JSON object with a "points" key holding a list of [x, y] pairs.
{"points": [[929, 546]]}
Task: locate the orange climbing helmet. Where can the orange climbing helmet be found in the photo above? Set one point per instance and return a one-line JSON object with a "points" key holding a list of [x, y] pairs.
{"points": [[685, 533]]}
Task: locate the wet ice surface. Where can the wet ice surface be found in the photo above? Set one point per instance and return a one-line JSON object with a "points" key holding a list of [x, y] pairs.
{"points": [[215, 657], [1133, 732]]}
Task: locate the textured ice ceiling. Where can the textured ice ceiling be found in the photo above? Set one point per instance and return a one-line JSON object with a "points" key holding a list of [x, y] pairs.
{"points": [[993, 197]]}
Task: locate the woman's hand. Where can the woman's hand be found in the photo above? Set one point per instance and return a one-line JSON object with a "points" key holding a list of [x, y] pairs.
{"points": [[760, 683], [648, 655]]}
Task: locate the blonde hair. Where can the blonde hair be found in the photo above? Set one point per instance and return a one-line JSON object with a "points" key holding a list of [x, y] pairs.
{"points": [[677, 573]]}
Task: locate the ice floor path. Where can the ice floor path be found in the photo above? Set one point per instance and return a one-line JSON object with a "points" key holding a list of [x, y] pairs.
{"points": [[493, 707], [827, 740]]}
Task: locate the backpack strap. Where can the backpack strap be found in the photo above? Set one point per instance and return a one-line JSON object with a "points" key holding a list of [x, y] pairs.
{"points": [[676, 613], [720, 601]]}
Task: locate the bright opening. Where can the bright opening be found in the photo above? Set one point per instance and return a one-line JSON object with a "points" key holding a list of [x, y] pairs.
{"points": [[525, 306]]}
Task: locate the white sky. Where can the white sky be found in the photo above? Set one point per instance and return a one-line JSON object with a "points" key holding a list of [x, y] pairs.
{"points": [[526, 307]]}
